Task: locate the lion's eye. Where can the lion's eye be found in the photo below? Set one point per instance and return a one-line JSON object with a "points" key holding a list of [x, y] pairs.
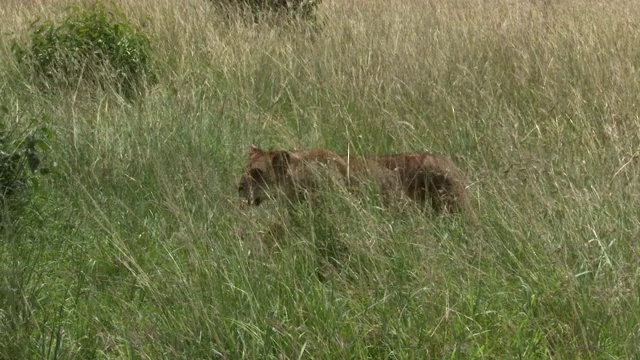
{"points": [[256, 174]]}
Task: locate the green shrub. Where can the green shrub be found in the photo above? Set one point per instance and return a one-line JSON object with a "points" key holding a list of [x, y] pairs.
{"points": [[95, 43], [20, 164]]}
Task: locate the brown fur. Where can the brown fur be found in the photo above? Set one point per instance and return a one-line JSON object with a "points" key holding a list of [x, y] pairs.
{"points": [[295, 173], [430, 180]]}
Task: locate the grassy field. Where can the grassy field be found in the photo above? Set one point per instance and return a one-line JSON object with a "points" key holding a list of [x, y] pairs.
{"points": [[139, 246]]}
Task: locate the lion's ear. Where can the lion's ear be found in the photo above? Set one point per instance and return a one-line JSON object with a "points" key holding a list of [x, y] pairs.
{"points": [[254, 151], [280, 162]]}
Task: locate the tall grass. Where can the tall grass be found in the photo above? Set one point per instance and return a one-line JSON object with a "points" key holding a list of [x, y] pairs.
{"points": [[140, 248]]}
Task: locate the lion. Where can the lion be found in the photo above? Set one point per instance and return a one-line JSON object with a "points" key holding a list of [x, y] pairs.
{"points": [[429, 180], [294, 173]]}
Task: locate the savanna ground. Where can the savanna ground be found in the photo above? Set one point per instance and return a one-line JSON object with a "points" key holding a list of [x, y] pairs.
{"points": [[139, 246]]}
